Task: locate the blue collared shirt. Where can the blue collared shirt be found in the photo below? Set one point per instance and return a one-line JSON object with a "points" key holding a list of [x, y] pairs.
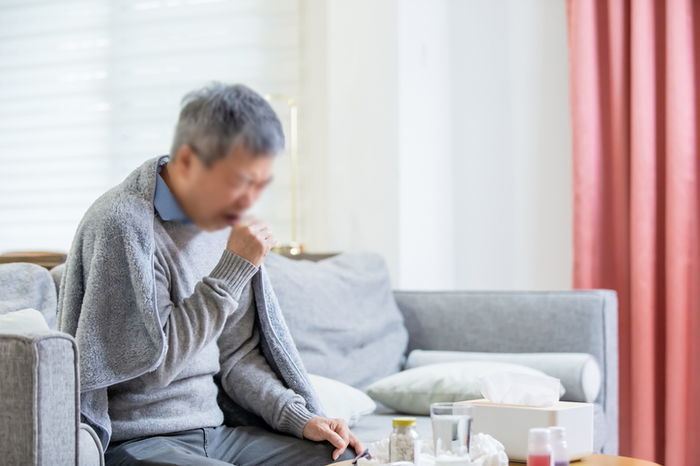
{"points": [[165, 203]]}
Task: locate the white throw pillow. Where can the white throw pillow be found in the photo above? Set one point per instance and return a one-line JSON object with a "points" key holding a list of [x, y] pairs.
{"points": [[411, 391], [340, 400], [24, 321]]}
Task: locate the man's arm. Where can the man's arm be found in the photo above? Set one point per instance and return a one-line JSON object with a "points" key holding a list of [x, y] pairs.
{"points": [[249, 380], [199, 319]]}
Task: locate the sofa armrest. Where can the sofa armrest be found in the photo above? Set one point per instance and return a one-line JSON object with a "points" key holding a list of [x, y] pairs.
{"points": [[521, 322], [90, 452], [39, 405]]}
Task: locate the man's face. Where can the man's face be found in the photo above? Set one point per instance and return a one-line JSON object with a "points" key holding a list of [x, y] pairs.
{"points": [[217, 196]]}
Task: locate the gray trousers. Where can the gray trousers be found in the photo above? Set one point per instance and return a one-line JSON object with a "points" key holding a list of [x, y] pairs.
{"points": [[222, 445]]}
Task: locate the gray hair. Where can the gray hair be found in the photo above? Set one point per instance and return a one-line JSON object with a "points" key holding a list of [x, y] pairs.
{"points": [[218, 117]]}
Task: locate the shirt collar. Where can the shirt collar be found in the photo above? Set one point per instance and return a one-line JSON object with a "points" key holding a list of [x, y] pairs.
{"points": [[164, 202]]}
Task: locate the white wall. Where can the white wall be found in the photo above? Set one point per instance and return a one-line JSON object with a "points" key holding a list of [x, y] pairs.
{"points": [[437, 133], [426, 231], [512, 144], [377, 172], [350, 114]]}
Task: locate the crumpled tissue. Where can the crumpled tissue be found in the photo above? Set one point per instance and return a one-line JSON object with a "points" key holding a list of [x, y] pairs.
{"points": [[521, 389], [485, 451]]}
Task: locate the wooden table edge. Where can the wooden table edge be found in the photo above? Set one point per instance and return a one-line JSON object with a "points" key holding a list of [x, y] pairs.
{"points": [[593, 460]]}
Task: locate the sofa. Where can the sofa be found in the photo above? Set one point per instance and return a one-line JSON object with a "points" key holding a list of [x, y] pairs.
{"points": [[40, 383], [337, 312]]}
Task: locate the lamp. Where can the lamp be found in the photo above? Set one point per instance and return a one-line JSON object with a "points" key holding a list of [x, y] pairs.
{"points": [[293, 247]]}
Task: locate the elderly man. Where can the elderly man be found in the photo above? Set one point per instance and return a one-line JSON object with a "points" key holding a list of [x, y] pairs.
{"points": [[160, 291]]}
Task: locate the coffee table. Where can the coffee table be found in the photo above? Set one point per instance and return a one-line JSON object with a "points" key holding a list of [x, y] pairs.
{"points": [[593, 460], [606, 460]]}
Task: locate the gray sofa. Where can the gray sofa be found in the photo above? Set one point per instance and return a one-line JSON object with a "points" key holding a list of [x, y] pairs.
{"points": [[515, 322], [39, 387], [39, 401]]}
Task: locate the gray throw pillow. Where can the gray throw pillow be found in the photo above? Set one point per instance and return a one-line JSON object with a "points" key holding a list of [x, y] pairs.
{"points": [[342, 315], [24, 285]]}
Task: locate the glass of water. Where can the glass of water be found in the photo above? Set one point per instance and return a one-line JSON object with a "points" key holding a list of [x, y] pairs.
{"points": [[451, 428]]}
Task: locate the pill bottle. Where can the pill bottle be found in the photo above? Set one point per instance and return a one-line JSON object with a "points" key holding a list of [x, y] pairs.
{"points": [[403, 442]]}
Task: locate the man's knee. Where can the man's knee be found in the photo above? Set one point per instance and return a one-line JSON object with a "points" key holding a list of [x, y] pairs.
{"points": [[349, 454], [320, 453], [186, 448]]}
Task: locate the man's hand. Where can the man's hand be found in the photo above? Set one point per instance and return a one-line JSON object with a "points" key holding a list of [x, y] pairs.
{"points": [[251, 239], [336, 431]]}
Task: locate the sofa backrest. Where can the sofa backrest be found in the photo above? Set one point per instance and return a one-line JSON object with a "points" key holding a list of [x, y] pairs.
{"points": [[342, 315], [571, 321]]}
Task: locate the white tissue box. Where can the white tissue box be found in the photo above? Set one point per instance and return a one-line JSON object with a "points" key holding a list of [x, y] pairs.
{"points": [[510, 424]]}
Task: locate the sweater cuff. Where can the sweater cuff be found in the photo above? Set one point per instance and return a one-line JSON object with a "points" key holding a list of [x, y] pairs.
{"points": [[294, 418], [234, 271]]}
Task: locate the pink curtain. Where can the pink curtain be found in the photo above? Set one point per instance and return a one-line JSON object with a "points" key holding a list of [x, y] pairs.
{"points": [[635, 88]]}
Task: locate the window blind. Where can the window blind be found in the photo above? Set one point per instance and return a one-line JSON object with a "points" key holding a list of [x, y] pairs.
{"points": [[90, 89]]}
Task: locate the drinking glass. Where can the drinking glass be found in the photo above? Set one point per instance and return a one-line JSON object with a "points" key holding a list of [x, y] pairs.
{"points": [[451, 428]]}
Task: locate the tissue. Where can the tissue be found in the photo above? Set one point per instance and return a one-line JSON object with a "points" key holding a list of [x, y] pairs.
{"points": [[487, 451], [521, 389]]}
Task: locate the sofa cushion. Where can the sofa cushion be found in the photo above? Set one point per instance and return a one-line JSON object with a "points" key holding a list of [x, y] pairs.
{"points": [[342, 315], [57, 275], [24, 285], [377, 426]]}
